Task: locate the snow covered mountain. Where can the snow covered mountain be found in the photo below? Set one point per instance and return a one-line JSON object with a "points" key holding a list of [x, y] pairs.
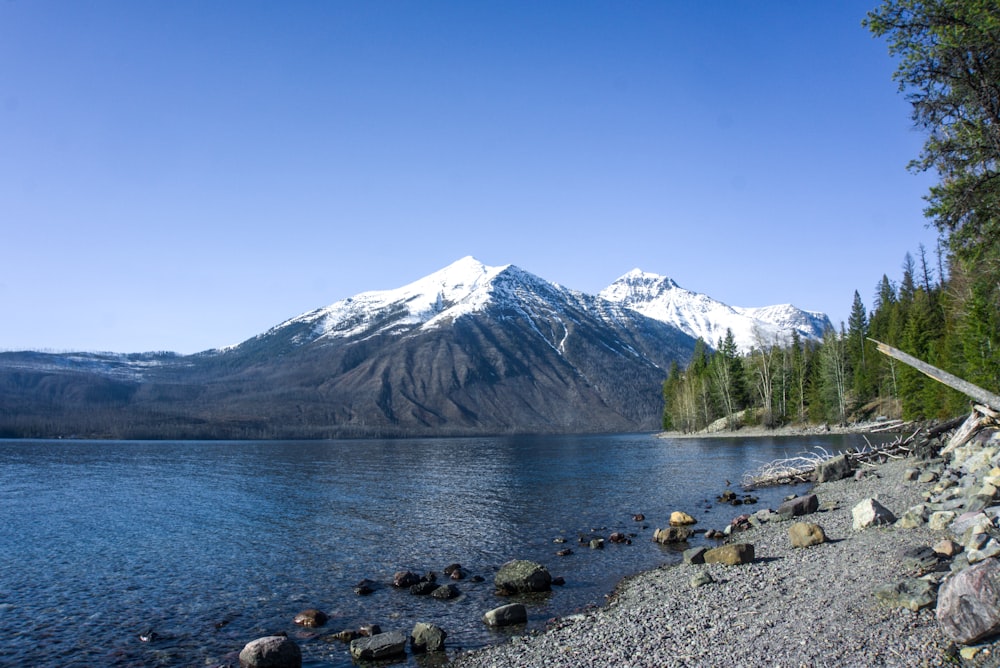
{"points": [[469, 349], [702, 317]]}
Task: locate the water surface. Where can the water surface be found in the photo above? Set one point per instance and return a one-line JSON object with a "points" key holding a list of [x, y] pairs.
{"points": [[210, 544]]}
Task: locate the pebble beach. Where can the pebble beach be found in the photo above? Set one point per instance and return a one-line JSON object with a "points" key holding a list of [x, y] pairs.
{"points": [[811, 606]]}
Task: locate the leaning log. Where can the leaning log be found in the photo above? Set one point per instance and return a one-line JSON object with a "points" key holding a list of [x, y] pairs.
{"points": [[954, 382]]}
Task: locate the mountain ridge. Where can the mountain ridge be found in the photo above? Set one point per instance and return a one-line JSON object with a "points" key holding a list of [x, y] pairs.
{"points": [[469, 349]]}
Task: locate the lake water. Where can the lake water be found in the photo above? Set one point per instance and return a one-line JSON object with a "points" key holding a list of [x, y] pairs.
{"points": [[211, 544]]}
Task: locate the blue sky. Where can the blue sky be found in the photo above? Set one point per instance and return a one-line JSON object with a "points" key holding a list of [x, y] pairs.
{"points": [[183, 175]]}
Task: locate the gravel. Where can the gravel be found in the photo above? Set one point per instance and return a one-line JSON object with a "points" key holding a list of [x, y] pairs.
{"points": [[790, 607]]}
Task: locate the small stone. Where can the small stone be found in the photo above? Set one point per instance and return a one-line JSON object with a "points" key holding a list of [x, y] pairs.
{"points": [[701, 579], [918, 558], [927, 477], [939, 521], [911, 474], [597, 544], [969, 653], [947, 548]]}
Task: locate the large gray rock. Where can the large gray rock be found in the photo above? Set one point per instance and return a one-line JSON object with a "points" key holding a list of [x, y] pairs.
{"points": [[968, 608], [870, 513], [427, 638], [800, 505], [506, 615], [271, 652], [836, 468], [380, 646], [520, 576]]}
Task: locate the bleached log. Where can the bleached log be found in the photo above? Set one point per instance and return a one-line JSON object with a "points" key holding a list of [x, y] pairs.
{"points": [[965, 432], [954, 382]]}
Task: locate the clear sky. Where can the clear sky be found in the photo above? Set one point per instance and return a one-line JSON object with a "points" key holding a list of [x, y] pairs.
{"points": [[182, 175]]}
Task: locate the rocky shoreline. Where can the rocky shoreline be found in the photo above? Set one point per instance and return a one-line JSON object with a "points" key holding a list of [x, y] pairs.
{"points": [[863, 596]]}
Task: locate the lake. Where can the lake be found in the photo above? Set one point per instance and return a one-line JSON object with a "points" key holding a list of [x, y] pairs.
{"points": [[177, 553]]}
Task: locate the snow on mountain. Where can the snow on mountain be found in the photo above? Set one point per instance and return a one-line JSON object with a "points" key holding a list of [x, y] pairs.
{"points": [[660, 298], [447, 293]]}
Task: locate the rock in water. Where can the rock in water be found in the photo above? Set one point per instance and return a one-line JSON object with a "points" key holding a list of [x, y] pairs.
{"points": [[379, 646], [427, 638], [506, 615], [271, 652], [520, 576], [672, 535], [968, 608], [679, 518], [806, 534], [311, 618], [731, 555], [870, 513]]}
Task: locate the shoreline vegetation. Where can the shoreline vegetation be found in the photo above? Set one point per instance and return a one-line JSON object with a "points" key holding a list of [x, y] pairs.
{"points": [[876, 590]]}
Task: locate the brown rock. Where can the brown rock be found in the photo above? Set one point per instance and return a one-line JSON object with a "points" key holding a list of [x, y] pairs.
{"points": [[806, 534], [672, 535], [679, 519], [311, 618], [731, 555]]}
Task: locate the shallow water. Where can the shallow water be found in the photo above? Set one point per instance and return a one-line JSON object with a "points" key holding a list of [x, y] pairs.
{"points": [[211, 544]]}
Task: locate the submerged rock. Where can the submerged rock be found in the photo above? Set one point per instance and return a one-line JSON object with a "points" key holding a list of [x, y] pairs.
{"points": [[378, 647], [507, 615], [427, 638], [271, 652], [311, 618]]}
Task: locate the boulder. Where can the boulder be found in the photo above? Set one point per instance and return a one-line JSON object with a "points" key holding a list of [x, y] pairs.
{"points": [[806, 534], [680, 519], [423, 588], [835, 468], [800, 505], [364, 588], [870, 513], [947, 548], [445, 592], [695, 555], [427, 638], [379, 646], [672, 535], [521, 576], [271, 652], [731, 555], [311, 618], [968, 608], [405, 579], [912, 594], [507, 615]]}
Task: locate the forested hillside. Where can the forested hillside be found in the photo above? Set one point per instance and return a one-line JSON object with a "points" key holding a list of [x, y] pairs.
{"points": [[942, 307]]}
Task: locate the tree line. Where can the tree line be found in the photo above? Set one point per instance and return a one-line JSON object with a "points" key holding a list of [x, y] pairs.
{"points": [[944, 310]]}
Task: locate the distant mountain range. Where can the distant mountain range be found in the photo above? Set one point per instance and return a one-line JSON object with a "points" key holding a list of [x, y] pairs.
{"points": [[469, 349]]}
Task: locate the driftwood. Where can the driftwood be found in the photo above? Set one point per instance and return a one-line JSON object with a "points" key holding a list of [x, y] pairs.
{"points": [[802, 468], [954, 382]]}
